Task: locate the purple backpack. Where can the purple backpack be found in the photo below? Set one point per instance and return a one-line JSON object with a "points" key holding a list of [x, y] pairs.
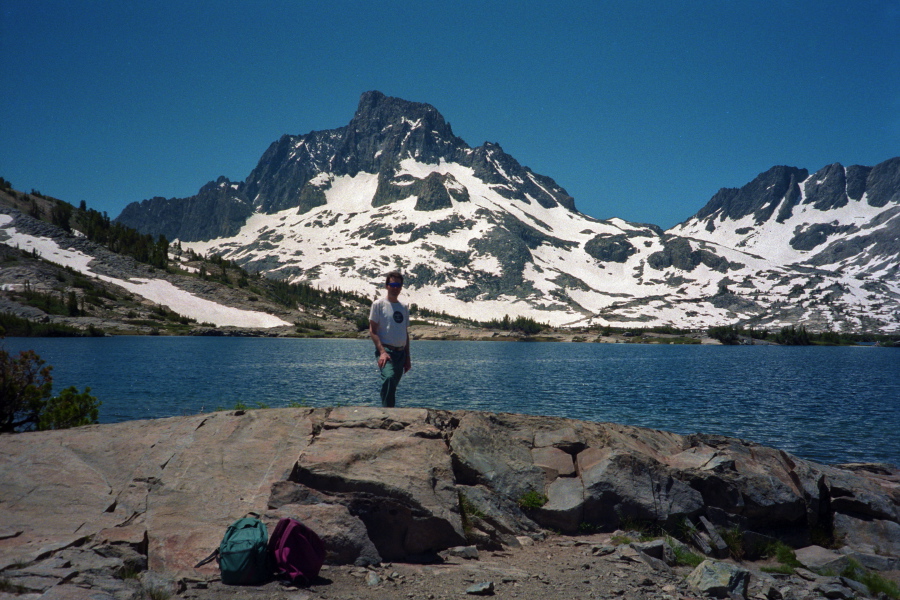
{"points": [[295, 552]]}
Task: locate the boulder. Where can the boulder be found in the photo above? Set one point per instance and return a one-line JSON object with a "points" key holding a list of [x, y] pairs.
{"points": [[485, 588], [467, 552], [718, 545], [222, 470], [493, 450], [564, 510], [699, 539], [720, 580], [871, 536], [563, 437], [834, 588], [620, 485], [393, 469], [500, 512], [765, 487], [631, 553], [874, 562], [554, 462], [821, 560], [866, 492], [658, 549]]}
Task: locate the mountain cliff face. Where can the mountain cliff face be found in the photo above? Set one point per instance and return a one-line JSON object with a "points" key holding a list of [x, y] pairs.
{"points": [[479, 235]]}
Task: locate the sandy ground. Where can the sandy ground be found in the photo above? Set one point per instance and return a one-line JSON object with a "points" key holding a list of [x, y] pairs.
{"points": [[559, 568]]}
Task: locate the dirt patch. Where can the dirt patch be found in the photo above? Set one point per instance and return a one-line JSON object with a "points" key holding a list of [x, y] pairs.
{"points": [[559, 568]]}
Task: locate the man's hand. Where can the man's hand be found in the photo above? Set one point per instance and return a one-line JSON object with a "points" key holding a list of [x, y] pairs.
{"points": [[383, 358]]}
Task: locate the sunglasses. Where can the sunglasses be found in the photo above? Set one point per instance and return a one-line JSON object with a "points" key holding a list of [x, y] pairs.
{"points": [[394, 284]]}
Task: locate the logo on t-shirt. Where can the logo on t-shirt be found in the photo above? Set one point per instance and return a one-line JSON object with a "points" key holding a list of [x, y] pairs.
{"points": [[398, 316]]}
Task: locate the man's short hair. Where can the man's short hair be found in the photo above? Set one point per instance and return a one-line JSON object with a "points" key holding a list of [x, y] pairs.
{"points": [[393, 275]]}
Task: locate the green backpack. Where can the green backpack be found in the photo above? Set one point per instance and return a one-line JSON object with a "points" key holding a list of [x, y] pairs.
{"points": [[243, 554]]}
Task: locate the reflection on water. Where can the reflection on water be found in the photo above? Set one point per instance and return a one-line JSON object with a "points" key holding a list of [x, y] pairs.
{"points": [[827, 404]]}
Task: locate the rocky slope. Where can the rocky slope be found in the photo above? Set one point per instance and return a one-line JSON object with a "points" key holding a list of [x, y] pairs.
{"points": [[407, 485], [479, 235], [43, 266]]}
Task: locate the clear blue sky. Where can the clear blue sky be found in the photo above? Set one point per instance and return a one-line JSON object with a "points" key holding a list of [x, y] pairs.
{"points": [[640, 109]]}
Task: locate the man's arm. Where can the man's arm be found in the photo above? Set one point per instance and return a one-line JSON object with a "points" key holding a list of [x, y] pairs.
{"points": [[408, 364], [383, 356]]}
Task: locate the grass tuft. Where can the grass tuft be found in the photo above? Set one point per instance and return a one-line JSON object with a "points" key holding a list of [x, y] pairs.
{"points": [[532, 499], [684, 557], [784, 554], [154, 593], [876, 583], [734, 539]]}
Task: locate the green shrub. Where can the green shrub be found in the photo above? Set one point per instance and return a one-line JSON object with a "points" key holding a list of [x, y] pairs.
{"points": [[526, 325], [467, 512], [69, 409], [685, 530], [26, 403], [532, 499], [645, 530], [154, 593], [11, 588], [588, 528]]}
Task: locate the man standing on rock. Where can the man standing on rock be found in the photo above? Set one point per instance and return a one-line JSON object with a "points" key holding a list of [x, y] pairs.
{"points": [[388, 321]]}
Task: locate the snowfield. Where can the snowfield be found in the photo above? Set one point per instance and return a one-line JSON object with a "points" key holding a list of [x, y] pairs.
{"points": [[159, 291]]}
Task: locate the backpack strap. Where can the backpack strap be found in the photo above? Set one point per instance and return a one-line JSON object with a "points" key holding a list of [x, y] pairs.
{"points": [[208, 559]]}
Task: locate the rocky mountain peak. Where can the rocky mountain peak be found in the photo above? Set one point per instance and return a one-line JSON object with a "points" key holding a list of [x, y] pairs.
{"points": [[788, 188], [386, 130], [760, 197], [296, 171], [377, 111]]}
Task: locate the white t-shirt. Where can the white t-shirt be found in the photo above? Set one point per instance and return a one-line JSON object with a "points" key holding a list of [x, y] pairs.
{"points": [[392, 319]]}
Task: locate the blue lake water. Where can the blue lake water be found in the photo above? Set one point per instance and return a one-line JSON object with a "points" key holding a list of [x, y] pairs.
{"points": [[827, 404]]}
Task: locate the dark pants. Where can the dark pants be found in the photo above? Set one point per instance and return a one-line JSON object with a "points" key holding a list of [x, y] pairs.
{"points": [[391, 373]]}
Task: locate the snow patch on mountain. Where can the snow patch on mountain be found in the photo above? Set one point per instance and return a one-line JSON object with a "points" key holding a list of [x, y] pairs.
{"points": [[155, 290]]}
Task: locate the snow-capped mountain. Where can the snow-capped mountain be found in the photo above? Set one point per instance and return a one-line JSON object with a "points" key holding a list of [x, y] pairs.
{"points": [[479, 235], [831, 241]]}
